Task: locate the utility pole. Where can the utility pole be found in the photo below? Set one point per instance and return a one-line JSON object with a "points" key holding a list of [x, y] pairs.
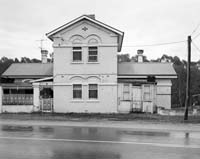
{"points": [[187, 100]]}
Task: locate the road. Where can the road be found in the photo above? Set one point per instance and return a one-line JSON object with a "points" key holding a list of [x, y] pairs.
{"points": [[24, 141]]}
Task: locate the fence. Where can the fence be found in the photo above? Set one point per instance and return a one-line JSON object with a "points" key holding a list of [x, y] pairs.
{"points": [[17, 99]]}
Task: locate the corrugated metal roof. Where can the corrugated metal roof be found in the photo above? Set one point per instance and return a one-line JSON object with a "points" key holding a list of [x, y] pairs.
{"points": [[146, 68], [29, 69], [124, 69]]}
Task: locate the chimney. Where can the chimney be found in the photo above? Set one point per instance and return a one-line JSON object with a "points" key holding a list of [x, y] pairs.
{"points": [[91, 16], [44, 56], [140, 55]]}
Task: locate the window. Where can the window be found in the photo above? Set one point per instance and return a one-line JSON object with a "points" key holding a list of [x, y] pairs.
{"points": [[126, 91], [77, 54], [93, 91], [147, 95], [92, 54], [77, 91]]}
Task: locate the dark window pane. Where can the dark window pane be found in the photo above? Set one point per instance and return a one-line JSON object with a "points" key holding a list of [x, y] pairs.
{"points": [[92, 48], [77, 94], [77, 56], [92, 59], [77, 91], [21, 91], [76, 48], [77, 53], [92, 86], [13, 91], [5, 91], [93, 91], [93, 94], [28, 91], [93, 54]]}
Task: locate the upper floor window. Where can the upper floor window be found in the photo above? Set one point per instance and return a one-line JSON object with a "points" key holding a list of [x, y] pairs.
{"points": [[77, 91], [77, 54], [92, 54]]}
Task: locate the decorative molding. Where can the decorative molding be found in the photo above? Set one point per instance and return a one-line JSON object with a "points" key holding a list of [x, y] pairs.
{"points": [[83, 45], [77, 77], [93, 37]]}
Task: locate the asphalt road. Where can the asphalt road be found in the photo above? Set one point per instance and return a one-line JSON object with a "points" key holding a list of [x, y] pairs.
{"points": [[72, 142]]}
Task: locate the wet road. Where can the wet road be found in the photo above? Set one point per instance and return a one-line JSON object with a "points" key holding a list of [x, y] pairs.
{"points": [[61, 142]]}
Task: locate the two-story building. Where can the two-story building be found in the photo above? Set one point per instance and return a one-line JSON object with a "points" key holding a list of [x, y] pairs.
{"points": [[85, 75]]}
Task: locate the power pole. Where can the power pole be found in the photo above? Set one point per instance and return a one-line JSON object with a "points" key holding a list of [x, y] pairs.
{"points": [[187, 100]]}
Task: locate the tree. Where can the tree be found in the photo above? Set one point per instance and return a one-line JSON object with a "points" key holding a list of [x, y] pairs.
{"points": [[34, 60], [176, 60], [123, 58], [25, 60]]}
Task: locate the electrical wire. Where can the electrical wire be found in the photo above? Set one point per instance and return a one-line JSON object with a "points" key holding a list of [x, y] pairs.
{"points": [[195, 29], [196, 36], [195, 46], [158, 44]]}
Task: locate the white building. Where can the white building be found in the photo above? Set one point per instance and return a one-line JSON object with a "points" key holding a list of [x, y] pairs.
{"points": [[85, 75]]}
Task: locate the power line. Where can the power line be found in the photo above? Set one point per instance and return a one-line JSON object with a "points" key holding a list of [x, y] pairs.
{"points": [[157, 44], [195, 46], [196, 36], [195, 29]]}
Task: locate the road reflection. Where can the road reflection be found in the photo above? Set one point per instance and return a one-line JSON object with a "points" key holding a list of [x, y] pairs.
{"points": [[43, 142]]}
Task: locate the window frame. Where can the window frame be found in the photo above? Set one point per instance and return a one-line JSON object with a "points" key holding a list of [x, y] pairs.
{"points": [[97, 54], [147, 93], [126, 92], [81, 89], [97, 93], [76, 51]]}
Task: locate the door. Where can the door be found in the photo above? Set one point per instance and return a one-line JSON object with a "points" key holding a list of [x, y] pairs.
{"points": [[148, 98], [46, 99], [124, 97], [136, 98]]}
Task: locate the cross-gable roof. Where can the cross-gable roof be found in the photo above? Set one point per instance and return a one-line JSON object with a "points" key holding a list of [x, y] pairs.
{"points": [[39, 70], [93, 20]]}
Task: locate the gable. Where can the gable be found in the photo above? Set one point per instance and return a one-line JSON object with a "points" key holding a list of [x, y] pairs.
{"points": [[83, 27]]}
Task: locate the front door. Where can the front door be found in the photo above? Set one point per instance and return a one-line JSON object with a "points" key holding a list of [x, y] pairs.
{"points": [[46, 99], [148, 98], [136, 98]]}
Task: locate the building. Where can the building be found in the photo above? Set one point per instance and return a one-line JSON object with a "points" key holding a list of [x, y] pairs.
{"points": [[85, 75]]}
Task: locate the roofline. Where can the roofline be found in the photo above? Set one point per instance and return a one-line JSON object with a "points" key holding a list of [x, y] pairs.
{"points": [[119, 49], [78, 19], [120, 33], [163, 63], [25, 76], [146, 76]]}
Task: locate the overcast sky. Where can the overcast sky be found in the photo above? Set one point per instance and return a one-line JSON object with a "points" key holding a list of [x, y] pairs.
{"points": [[23, 22]]}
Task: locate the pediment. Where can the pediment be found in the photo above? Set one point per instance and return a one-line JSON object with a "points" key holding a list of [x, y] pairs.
{"points": [[83, 27]]}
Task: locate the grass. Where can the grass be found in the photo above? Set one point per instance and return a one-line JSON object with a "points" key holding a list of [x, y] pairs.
{"points": [[97, 116]]}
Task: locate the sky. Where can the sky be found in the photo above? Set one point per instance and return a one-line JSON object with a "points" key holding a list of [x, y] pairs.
{"points": [[145, 22]]}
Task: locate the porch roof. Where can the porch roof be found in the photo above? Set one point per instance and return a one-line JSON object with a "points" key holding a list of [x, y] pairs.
{"points": [[29, 70], [146, 69]]}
